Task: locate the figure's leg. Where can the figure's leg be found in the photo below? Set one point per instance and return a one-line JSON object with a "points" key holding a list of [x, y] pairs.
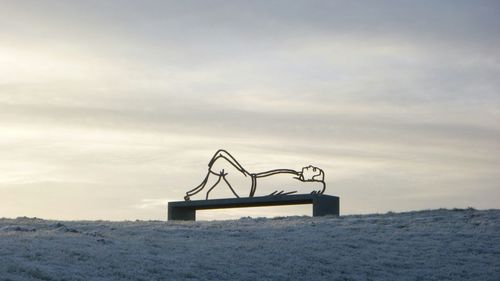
{"points": [[239, 182], [197, 189], [222, 165], [223, 177], [213, 186], [229, 158], [219, 154], [230, 187]]}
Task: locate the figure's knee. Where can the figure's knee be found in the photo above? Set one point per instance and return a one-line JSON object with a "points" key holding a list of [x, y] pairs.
{"points": [[217, 160], [217, 155], [221, 152], [220, 166]]}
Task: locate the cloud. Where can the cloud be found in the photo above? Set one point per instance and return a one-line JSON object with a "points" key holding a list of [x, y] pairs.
{"points": [[121, 94]]}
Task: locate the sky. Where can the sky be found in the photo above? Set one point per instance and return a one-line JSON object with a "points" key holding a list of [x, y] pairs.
{"points": [[110, 109]]}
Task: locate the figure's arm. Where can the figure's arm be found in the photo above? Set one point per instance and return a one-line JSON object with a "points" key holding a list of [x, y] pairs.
{"points": [[277, 171], [320, 191]]}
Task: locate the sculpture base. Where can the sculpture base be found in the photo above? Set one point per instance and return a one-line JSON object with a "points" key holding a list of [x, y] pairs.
{"points": [[322, 204]]}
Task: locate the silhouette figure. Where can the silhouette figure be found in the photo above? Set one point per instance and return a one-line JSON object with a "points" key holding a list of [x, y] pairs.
{"points": [[224, 167]]}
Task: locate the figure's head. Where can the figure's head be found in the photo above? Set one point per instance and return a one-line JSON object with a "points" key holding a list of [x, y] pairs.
{"points": [[311, 173]]}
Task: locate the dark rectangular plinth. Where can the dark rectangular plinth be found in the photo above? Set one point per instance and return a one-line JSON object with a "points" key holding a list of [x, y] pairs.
{"points": [[322, 204]]}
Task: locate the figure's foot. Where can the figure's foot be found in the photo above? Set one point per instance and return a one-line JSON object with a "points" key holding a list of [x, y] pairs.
{"points": [[187, 198]]}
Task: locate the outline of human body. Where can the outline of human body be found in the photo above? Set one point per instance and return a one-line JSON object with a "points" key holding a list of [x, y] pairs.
{"points": [[222, 158]]}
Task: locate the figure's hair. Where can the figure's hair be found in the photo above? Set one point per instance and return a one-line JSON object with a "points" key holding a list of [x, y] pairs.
{"points": [[320, 176]]}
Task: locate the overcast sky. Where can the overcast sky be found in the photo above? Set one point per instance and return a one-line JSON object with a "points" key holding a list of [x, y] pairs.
{"points": [[109, 109]]}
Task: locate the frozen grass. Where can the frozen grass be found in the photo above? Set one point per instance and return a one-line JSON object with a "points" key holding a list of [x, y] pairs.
{"points": [[427, 245]]}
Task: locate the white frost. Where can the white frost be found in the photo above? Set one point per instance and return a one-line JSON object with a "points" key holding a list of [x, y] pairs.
{"points": [[425, 245]]}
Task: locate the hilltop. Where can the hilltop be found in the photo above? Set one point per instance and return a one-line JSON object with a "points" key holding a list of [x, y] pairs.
{"points": [[459, 244]]}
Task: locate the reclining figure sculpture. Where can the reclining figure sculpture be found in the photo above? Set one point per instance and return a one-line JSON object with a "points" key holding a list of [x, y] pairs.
{"points": [[223, 166]]}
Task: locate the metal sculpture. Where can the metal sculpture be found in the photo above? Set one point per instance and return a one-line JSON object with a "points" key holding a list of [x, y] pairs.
{"points": [[223, 165]]}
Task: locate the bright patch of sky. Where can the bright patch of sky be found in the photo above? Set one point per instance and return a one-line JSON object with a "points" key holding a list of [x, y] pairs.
{"points": [[109, 108]]}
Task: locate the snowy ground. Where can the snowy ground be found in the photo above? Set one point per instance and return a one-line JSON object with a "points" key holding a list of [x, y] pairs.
{"points": [[426, 245]]}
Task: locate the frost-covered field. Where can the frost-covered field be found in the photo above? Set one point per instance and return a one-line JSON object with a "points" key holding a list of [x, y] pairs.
{"points": [[425, 245]]}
